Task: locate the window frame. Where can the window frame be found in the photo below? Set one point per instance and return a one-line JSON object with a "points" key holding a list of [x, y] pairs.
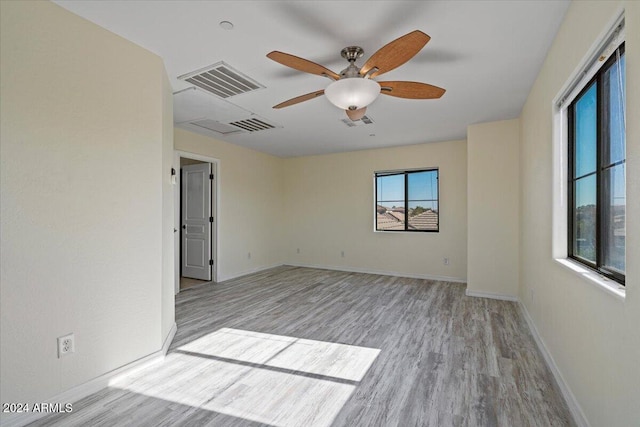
{"points": [[602, 167], [405, 173]]}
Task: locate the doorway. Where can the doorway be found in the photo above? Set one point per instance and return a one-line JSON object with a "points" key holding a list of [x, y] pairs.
{"points": [[195, 230]]}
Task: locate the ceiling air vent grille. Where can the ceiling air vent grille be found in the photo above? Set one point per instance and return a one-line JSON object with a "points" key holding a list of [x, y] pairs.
{"points": [[222, 80], [365, 120], [253, 125], [209, 124]]}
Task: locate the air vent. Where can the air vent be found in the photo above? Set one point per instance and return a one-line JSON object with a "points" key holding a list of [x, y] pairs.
{"points": [[253, 125], [365, 120], [222, 80], [222, 128]]}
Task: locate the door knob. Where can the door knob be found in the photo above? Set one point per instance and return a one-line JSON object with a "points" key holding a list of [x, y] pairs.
{"points": [[184, 227]]}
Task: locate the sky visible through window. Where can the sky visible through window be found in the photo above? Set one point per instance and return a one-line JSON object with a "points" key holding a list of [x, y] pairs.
{"points": [[423, 190], [586, 134], [598, 221], [407, 201]]}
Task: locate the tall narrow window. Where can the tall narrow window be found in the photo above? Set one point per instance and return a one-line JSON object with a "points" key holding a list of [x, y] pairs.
{"points": [[407, 200], [597, 149]]}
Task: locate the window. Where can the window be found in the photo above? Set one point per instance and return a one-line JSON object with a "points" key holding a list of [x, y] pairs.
{"points": [[596, 190], [407, 200]]}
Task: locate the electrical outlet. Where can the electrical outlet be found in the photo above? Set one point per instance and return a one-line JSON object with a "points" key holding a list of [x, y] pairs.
{"points": [[342, 254], [298, 250], [66, 345], [249, 255], [531, 294], [445, 261]]}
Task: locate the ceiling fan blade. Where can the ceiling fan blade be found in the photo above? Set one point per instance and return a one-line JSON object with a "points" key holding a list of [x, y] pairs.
{"points": [[301, 64], [396, 53], [411, 90], [299, 99], [356, 114]]}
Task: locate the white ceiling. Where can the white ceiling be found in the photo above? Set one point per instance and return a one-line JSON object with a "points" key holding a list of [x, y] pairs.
{"points": [[486, 54]]}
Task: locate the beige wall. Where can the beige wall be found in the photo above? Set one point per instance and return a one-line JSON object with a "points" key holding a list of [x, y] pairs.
{"points": [[493, 208], [81, 203], [593, 337], [251, 204], [85, 158], [323, 205], [329, 208]]}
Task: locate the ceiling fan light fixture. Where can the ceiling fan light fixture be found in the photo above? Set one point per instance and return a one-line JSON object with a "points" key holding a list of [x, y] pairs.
{"points": [[352, 93]]}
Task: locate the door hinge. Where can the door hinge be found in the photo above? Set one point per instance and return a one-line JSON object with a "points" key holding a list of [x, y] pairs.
{"points": [[210, 262], [210, 176], [210, 219]]}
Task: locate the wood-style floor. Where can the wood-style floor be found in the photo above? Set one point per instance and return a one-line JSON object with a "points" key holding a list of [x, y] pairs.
{"points": [[307, 347]]}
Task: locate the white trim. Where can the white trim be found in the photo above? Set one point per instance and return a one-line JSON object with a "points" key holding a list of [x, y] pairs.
{"points": [[247, 272], [607, 41], [491, 295], [93, 386], [590, 63], [350, 270], [380, 272], [607, 285], [177, 154], [169, 339], [194, 156], [574, 407]]}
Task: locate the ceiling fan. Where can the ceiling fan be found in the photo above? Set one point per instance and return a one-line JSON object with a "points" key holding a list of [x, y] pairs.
{"points": [[354, 88]]}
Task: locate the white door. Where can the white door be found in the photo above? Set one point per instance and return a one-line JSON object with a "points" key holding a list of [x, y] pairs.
{"points": [[196, 221]]}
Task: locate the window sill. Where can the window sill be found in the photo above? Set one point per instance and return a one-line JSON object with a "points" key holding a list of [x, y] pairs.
{"points": [[609, 286]]}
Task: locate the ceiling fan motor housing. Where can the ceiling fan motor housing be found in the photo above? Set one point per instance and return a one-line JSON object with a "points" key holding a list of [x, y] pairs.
{"points": [[351, 53], [351, 71]]}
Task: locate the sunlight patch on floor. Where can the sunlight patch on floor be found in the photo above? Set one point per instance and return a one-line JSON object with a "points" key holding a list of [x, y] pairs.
{"points": [[272, 379], [328, 359]]}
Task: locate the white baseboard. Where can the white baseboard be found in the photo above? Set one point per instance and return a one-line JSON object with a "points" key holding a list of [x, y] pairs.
{"points": [[92, 386], [246, 273], [381, 272], [169, 339], [491, 295], [575, 408]]}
